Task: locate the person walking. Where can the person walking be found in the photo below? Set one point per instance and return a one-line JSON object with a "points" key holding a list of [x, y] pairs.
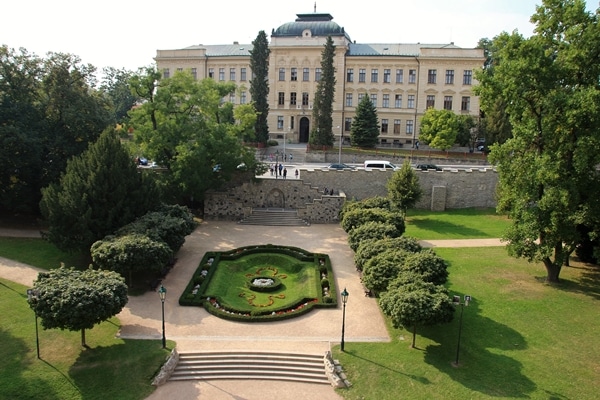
{"points": [[280, 168], [296, 173], [284, 173]]}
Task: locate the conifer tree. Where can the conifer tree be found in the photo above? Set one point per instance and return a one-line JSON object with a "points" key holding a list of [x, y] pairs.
{"points": [[322, 134], [259, 85], [365, 126]]}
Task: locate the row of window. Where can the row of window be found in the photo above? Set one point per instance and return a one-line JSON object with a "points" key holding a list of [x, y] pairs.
{"points": [[412, 76], [362, 75], [385, 103], [409, 124]]}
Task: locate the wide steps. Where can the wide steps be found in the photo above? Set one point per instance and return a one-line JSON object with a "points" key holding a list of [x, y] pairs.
{"points": [[273, 217], [250, 365]]}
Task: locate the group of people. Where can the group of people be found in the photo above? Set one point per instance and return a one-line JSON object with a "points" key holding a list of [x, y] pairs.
{"points": [[285, 157], [278, 169]]}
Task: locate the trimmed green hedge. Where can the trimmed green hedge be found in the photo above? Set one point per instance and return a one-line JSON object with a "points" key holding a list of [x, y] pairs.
{"points": [[194, 294]]}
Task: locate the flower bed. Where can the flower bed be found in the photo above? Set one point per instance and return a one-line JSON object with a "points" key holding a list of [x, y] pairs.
{"points": [[261, 283]]}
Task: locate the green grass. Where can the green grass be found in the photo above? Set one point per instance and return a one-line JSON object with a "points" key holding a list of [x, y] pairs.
{"points": [[38, 252], [521, 338], [109, 369], [467, 223], [299, 280]]}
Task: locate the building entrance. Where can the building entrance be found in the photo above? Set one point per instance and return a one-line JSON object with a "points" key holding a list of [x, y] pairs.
{"points": [[304, 130]]}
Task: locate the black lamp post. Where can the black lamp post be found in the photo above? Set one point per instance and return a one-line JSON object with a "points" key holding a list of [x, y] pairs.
{"points": [[344, 301], [162, 293], [32, 295], [456, 301]]}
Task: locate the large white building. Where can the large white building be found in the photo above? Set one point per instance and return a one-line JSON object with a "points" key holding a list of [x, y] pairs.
{"points": [[402, 80]]}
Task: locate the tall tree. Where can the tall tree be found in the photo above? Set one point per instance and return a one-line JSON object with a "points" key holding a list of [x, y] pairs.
{"points": [[404, 189], [322, 132], [549, 182], [365, 126], [186, 126], [259, 85], [50, 111], [439, 128], [115, 86], [77, 300], [100, 191]]}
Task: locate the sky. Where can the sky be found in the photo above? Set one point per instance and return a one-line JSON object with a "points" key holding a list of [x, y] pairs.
{"points": [[127, 33]]}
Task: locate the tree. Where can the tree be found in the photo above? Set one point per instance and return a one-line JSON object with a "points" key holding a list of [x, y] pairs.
{"points": [[322, 133], [259, 85], [548, 177], [130, 253], [49, 112], [372, 230], [115, 86], [365, 126], [185, 126], [77, 300], [383, 268], [428, 265], [100, 191], [416, 304], [355, 218], [403, 188], [439, 128], [370, 202], [368, 249]]}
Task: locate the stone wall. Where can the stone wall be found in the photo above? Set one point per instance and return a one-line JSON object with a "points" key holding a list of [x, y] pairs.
{"points": [[448, 189]]}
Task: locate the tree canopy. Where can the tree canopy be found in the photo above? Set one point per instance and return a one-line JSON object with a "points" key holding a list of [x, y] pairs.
{"points": [[549, 183], [365, 126], [322, 132], [259, 85], [100, 191], [77, 300], [186, 126], [404, 189], [439, 128]]}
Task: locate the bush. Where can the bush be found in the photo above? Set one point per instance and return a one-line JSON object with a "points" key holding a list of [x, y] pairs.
{"points": [[370, 248], [357, 217], [324, 283], [371, 230], [372, 202], [431, 267]]}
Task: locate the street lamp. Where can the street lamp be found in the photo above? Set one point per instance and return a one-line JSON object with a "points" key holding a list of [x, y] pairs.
{"points": [[162, 293], [456, 301], [341, 140], [344, 301], [32, 295]]}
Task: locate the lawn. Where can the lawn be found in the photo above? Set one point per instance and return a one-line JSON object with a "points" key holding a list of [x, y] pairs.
{"points": [[229, 283], [456, 224], [521, 338], [110, 368], [38, 252]]}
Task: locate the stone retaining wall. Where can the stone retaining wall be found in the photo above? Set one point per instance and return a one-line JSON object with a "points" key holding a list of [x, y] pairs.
{"points": [[448, 189]]}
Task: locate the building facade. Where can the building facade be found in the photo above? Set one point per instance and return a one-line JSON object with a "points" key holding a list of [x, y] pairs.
{"points": [[402, 80]]}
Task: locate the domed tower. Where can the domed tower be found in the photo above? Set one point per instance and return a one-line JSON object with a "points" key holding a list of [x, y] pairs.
{"points": [[295, 69]]}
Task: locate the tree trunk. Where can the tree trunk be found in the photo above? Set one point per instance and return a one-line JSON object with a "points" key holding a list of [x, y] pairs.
{"points": [[414, 336], [552, 271], [83, 338]]}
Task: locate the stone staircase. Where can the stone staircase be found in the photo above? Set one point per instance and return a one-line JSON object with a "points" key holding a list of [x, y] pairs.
{"points": [[308, 368], [273, 217]]}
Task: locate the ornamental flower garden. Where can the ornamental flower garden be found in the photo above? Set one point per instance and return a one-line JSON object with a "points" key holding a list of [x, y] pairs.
{"points": [[261, 283]]}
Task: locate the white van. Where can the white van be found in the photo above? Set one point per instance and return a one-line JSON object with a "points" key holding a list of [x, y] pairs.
{"points": [[380, 164]]}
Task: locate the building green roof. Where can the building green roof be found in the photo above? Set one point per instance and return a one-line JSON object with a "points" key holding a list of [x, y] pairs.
{"points": [[318, 25]]}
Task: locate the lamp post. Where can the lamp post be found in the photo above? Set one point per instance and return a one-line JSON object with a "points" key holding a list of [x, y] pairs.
{"points": [[456, 301], [284, 155], [162, 293], [344, 301], [341, 140], [32, 295]]}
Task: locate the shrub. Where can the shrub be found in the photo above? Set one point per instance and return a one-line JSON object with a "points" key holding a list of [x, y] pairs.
{"points": [[431, 267], [370, 248], [371, 230]]}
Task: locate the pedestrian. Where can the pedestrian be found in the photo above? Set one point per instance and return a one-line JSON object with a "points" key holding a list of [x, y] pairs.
{"points": [[291, 157], [296, 173], [280, 168], [285, 157], [271, 169], [284, 173]]}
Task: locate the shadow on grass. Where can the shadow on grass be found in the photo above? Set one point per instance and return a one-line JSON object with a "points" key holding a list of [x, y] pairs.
{"points": [[20, 378], [129, 367], [479, 368], [420, 379], [452, 229], [587, 282]]}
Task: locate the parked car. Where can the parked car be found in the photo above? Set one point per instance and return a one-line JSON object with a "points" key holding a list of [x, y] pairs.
{"points": [[340, 166], [380, 164], [425, 167]]}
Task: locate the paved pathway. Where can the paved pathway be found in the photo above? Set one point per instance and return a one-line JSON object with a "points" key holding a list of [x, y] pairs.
{"points": [[194, 329]]}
